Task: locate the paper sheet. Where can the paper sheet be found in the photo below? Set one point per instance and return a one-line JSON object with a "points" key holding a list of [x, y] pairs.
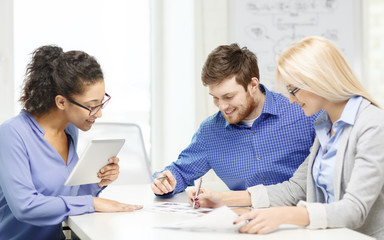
{"points": [[177, 207], [220, 219]]}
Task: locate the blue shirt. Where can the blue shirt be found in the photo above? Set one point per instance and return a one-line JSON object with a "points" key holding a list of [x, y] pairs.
{"points": [[324, 165], [266, 153], [33, 198]]}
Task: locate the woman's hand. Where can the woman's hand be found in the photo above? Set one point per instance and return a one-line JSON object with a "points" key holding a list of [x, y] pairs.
{"points": [[109, 173], [107, 205], [206, 198], [266, 220]]}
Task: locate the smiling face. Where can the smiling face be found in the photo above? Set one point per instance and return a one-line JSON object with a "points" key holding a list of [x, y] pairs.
{"points": [[308, 101], [233, 101], [92, 96]]}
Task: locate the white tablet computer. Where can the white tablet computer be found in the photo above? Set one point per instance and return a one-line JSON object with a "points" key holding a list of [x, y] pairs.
{"points": [[94, 157]]}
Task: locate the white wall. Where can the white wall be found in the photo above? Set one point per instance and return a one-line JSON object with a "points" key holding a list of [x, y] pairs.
{"points": [[6, 60], [373, 26], [172, 79], [184, 32]]}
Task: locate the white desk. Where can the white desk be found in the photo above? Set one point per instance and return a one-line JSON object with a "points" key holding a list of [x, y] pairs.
{"points": [[143, 224]]}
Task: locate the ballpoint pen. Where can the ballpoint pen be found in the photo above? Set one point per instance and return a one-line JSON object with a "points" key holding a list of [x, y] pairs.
{"points": [[197, 192], [162, 178]]}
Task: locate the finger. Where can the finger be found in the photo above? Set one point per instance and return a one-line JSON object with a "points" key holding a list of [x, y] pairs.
{"points": [[137, 207], [243, 217], [191, 195], [156, 190], [200, 199], [122, 207], [108, 179], [171, 178], [254, 227], [105, 180], [110, 173], [161, 177], [112, 168], [160, 186], [109, 167], [114, 160], [167, 184], [247, 228], [103, 183], [164, 178], [113, 171], [265, 229], [132, 208]]}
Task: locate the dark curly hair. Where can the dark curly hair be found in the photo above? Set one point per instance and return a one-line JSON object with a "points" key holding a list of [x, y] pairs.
{"points": [[227, 61], [53, 72]]}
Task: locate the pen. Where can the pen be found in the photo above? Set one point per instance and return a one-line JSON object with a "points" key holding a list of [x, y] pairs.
{"points": [[197, 192], [162, 177]]}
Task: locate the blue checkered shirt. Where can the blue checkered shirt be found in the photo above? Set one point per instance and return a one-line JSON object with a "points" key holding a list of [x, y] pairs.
{"points": [[267, 153]]}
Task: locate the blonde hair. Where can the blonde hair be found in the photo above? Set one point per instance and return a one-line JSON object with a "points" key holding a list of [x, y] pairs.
{"points": [[317, 65]]}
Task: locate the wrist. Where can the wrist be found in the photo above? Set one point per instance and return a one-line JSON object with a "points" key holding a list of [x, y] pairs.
{"points": [[295, 215], [236, 198]]}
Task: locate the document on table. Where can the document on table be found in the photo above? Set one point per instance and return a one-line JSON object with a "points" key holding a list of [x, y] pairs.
{"points": [[177, 207], [220, 219]]}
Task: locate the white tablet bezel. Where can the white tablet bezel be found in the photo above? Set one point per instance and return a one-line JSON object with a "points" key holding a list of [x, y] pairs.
{"points": [[94, 157]]}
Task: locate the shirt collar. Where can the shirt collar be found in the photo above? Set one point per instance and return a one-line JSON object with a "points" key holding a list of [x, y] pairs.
{"points": [[348, 115], [35, 125], [32, 122], [270, 103], [350, 111]]}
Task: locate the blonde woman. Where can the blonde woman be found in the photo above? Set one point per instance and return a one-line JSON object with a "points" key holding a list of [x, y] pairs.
{"points": [[340, 184]]}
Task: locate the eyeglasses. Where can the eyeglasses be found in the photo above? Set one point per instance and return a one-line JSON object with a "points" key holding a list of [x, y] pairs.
{"points": [[92, 110], [294, 91]]}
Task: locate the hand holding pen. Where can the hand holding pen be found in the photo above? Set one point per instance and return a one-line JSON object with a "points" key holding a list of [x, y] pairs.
{"points": [[164, 183], [197, 192], [202, 197]]}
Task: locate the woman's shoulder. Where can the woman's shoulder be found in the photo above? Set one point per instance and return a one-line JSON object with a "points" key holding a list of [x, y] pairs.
{"points": [[370, 114], [14, 129], [17, 122]]}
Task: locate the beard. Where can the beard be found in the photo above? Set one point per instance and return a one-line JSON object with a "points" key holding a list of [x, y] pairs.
{"points": [[241, 112]]}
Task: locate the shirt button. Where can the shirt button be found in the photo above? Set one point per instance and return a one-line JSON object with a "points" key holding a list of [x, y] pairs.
{"points": [[254, 132], [264, 178], [258, 158]]}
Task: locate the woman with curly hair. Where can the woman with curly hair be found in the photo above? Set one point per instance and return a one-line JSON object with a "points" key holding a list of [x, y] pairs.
{"points": [[63, 92]]}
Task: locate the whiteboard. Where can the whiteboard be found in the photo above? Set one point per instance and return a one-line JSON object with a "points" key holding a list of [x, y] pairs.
{"points": [[266, 27]]}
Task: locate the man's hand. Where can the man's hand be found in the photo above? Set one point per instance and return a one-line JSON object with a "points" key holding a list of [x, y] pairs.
{"points": [[164, 183]]}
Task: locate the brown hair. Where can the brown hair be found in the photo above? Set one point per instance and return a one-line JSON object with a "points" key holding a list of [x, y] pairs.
{"points": [[53, 72], [227, 61]]}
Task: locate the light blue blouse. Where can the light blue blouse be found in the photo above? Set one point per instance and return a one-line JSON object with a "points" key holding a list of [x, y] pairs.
{"points": [[323, 168], [33, 198]]}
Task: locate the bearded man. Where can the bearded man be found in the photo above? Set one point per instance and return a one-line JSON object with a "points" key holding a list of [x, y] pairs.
{"points": [[256, 137]]}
